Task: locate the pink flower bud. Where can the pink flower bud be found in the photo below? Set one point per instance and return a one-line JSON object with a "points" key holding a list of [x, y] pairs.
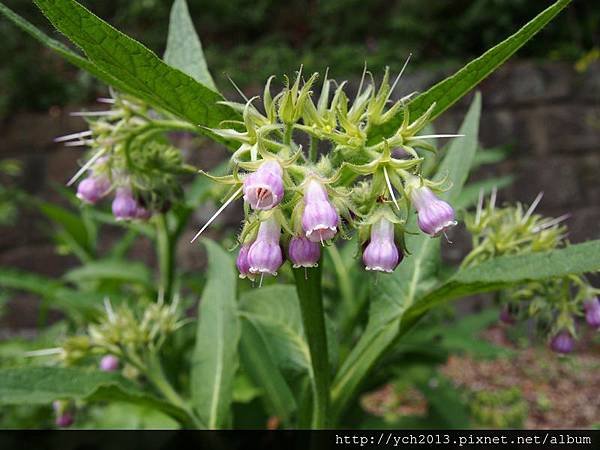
{"points": [[124, 206], [381, 254], [435, 215], [303, 252], [265, 256], [109, 363], [562, 342], [92, 189], [319, 219], [64, 415], [592, 312], [242, 262], [263, 189]]}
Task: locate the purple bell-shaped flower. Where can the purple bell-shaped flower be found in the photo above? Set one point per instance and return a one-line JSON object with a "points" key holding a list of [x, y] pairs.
{"points": [[263, 189], [435, 215], [381, 254], [319, 219]]}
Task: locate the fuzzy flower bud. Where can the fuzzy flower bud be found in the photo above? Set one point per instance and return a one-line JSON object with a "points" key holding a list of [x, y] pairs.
{"points": [[320, 219], [381, 254], [265, 256], [435, 215], [263, 189], [592, 312], [64, 416], [143, 213], [303, 252], [109, 363], [242, 262], [562, 342], [124, 206], [92, 189]]}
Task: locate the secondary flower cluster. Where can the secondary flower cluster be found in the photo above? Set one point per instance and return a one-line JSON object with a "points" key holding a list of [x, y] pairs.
{"points": [[554, 302], [129, 158], [302, 201]]}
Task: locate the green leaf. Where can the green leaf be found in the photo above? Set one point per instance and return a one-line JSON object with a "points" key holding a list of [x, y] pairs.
{"points": [[184, 50], [453, 88], [505, 271], [42, 385], [57, 46], [109, 269], [275, 311], [258, 362], [396, 292], [215, 358], [138, 70]]}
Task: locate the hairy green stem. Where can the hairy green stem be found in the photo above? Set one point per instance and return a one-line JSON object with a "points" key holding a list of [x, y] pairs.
{"points": [[308, 286], [287, 136], [166, 256]]}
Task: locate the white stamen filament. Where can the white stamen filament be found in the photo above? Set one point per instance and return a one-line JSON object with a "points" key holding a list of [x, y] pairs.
{"points": [[479, 207], [110, 313], [389, 185], [215, 215], [551, 223], [532, 207], [81, 143], [86, 166], [435, 136], [400, 74], [93, 113], [68, 137], [44, 352]]}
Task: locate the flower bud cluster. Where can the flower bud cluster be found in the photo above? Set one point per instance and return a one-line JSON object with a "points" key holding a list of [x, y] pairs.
{"points": [[554, 303], [297, 201], [129, 158], [124, 335]]}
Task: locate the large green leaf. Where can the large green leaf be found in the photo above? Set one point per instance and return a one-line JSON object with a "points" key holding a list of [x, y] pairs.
{"points": [[258, 362], [184, 50], [453, 88], [39, 385], [394, 293], [139, 71], [215, 358], [508, 270]]}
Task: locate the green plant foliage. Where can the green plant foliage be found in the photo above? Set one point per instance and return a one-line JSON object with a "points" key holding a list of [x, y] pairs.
{"points": [[215, 358]]}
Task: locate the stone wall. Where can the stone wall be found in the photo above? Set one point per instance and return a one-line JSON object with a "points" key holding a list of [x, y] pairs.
{"points": [[547, 113]]}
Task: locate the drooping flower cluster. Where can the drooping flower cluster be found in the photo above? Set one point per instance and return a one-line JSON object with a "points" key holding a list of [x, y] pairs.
{"points": [[129, 158], [555, 302], [368, 180]]}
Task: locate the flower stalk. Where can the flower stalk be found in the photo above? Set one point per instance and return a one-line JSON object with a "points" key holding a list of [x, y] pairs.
{"points": [[308, 287]]}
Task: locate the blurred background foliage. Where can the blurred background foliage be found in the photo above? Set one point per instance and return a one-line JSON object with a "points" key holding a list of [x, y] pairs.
{"points": [[252, 39]]}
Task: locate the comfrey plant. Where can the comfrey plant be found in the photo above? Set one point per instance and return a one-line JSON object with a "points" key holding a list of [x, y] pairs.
{"points": [[315, 166], [304, 201]]}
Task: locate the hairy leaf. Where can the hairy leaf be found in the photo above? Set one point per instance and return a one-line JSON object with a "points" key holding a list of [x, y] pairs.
{"points": [[215, 358], [109, 269], [184, 50], [504, 271], [262, 369], [39, 385]]}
